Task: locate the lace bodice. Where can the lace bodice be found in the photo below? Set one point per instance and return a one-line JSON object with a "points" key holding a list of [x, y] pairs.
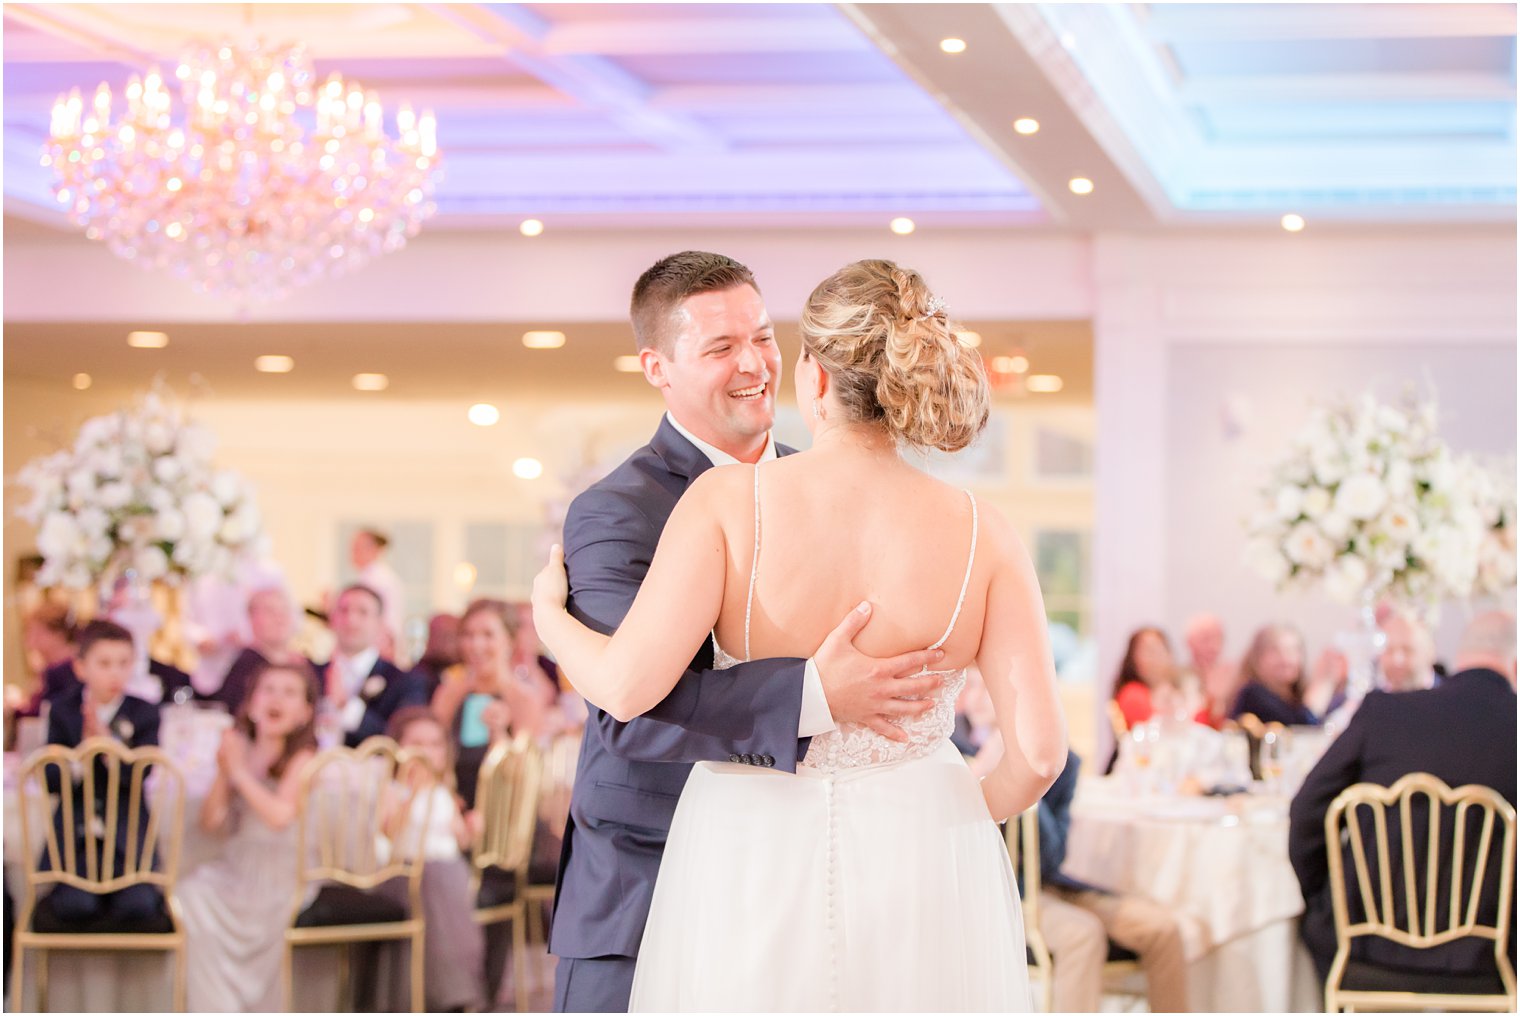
{"points": [[851, 746]]}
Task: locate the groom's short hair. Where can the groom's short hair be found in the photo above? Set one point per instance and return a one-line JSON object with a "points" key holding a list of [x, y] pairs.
{"points": [[672, 279]]}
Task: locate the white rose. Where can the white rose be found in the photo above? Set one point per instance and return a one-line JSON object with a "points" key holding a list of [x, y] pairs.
{"points": [[158, 436], [1329, 465], [115, 495], [77, 576], [100, 549], [1361, 496], [226, 487], [151, 562], [1263, 557], [1346, 578], [203, 516], [1290, 503], [136, 529], [1316, 502], [235, 530], [1400, 478], [1399, 524], [1391, 420], [108, 463], [1335, 525], [1307, 546], [81, 483], [169, 525], [159, 499], [167, 469], [92, 521], [196, 443], [59, 536], [97, 431]]}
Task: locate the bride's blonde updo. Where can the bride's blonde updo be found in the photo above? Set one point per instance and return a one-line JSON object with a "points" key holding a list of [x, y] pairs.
{"points": [[888, 346]]}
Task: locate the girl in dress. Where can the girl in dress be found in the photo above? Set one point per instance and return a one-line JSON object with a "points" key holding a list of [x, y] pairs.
{"points": [[236, 906], [875, 878], [454, 960]]}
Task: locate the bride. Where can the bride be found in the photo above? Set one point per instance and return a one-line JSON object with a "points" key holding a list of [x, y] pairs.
{"points": [[875, 878]]}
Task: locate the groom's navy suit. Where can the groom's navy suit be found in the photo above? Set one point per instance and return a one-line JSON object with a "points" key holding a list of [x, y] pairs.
{"points": [[631, 774]]}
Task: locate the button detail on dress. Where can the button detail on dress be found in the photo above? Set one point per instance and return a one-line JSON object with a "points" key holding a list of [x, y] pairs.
{"points": [[733, 758]]}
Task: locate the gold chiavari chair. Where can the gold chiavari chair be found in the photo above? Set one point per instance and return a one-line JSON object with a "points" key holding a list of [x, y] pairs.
{"points": [[506, 797], [344, 855], [154, 831], [1450, 911], [1023, 840], [560, 763], [1116, 721]]}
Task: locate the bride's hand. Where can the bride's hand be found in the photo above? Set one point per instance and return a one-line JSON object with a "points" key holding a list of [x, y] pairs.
{"points": [[551, 586]]}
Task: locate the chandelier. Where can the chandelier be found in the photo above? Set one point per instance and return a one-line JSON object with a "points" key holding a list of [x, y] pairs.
{"points": [[265, 181]]}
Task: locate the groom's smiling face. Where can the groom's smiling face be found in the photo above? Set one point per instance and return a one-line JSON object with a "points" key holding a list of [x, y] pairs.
{"points": [[720, 377]]}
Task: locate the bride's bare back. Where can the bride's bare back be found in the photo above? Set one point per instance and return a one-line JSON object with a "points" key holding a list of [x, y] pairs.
{"points": [[840, 526]]}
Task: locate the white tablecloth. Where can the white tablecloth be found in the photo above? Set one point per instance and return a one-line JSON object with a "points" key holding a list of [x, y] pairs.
{"points": [[1221, 864]]}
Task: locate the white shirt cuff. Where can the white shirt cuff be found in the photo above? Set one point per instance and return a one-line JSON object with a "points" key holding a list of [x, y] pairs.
{"points": [[815, 717], [353, 713]]}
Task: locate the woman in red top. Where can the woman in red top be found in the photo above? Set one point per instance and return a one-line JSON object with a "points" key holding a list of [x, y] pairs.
{"points": [[1148, 665]]}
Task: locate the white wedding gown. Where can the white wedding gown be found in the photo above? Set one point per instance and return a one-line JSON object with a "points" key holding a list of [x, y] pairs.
{"points": [[872, 880]]}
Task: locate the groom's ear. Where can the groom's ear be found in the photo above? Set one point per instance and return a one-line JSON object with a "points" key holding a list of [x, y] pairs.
{"points": [[654, 367]]}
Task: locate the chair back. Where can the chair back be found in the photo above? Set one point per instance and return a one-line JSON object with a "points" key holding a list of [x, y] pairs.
{"points": [[507, 798], [558, 780], [1116, 720], [142, 793], [1022, 835], [342, 836], [1442, 880]]}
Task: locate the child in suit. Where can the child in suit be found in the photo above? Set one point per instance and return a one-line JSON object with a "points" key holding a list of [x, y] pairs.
{"points": [[100, 707]]}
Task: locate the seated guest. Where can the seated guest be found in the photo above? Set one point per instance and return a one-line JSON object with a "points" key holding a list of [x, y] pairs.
{"points": [[1147, 668], [364, 688], [1408, 659], [1461, 732], [1078, 920], [98, 706], [442, 652], [62, 678], [272, 624], [236, 906], [1273, 674], [48, 638], [1212, 678], [454, 945], [483, 699], [528, 659]]}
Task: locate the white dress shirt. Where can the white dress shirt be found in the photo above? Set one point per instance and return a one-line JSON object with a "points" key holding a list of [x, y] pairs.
{"points": [[355, 671], [815, 718]]}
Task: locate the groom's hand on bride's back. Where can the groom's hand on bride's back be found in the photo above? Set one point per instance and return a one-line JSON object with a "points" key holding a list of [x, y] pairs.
{"points": [[869, 691]]}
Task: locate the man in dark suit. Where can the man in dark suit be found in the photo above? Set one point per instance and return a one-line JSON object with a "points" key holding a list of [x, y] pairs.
{"points": [[271, 622], [706, 342], [1462, 732], [98, 706], [363, 687]]}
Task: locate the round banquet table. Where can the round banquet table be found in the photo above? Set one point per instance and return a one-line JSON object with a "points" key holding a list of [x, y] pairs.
{"points": [[1219, 863]]}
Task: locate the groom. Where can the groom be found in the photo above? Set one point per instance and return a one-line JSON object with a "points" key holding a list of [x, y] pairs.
{"points": [[706, 342]]}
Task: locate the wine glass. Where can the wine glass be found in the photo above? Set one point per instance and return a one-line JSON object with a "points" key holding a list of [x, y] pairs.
{"points": [[1273, 756]]}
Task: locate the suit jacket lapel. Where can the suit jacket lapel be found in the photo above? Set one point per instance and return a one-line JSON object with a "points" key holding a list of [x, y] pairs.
{"points": [[680, 456]]}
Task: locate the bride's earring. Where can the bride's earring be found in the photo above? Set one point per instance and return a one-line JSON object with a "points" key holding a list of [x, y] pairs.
{"points": [[817, 413]]}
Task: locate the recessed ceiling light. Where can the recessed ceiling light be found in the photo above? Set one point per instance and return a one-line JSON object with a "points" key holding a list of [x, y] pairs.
{"points": [[82, 381], [1018, 363], [147, 340], [528, 469], [1043, 382], [543, 340], [371, 382], [483, 414], [953, 45], [1293, 223], [902, 226], [969, 339], [464, 574], [274, 364], [530, 227], [1080, 185], [1026, 125], [628, 364]]}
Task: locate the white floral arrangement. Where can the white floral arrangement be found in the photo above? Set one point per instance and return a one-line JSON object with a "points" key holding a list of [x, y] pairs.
{"points": [[1370, 502], [138, 492]]}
